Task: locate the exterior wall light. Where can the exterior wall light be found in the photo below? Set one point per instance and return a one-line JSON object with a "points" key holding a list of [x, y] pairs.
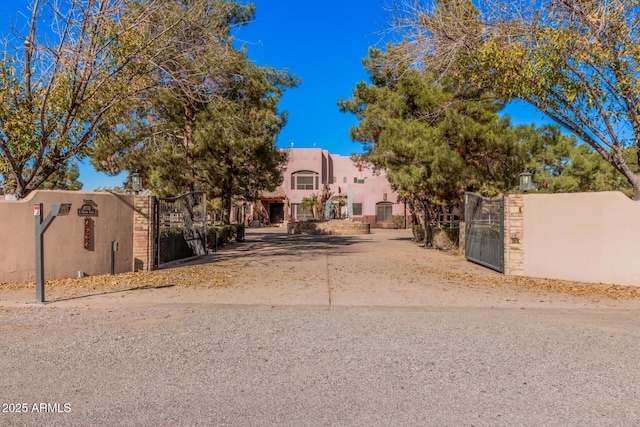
{"points": [[136, 182], [525, 181]]}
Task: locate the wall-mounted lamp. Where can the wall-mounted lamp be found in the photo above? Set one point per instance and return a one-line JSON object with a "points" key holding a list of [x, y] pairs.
{"points": [[525, 181], [136, 182]]}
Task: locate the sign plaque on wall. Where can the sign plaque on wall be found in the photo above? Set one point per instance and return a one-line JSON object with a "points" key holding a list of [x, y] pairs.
{"points": [[88, 209], [88, 234]]}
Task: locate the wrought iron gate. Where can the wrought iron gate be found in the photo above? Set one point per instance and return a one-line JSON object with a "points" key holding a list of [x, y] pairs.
{"points": [[181, 227], [484, 231]]}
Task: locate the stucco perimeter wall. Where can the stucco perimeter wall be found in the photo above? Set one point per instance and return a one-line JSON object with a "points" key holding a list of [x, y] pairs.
{"points": [[64, 252], [590, 237]]}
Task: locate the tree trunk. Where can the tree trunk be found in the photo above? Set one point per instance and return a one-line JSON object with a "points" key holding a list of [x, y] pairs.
{"points": [[194, 236], [226, 207], [15, 188], [422, 215], [635, 184], [189, 121], [227, 187]]}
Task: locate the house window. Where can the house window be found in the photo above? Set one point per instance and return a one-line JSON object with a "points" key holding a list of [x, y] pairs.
{"points": [[305, 180], [344, 179], [302, 214], [304, 183], [357, 209], [384, 212]]}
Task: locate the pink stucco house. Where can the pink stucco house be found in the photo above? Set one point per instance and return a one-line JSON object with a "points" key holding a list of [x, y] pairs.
{"points": [[358, 192]]}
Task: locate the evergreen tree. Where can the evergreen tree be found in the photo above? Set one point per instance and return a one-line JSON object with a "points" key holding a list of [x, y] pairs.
{"points": [[65, 178], [235, 139], [231, 150], [560, 164], [435, 141]]}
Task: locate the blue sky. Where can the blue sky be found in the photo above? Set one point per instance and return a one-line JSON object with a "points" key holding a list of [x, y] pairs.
{"points": [[322, 43]]}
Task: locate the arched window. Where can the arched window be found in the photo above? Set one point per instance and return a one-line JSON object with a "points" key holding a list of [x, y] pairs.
{"points": [[384, 212], [305, 180]]}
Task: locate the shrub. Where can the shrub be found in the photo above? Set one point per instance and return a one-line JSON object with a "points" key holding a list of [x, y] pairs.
{"points": [[170, 231], [418, 234], [224, 234], [238, 232], [398, 221], [444, 238]]}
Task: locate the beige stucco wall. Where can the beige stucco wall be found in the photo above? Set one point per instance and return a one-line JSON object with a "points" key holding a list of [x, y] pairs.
{"points": [[64, 252], [590, 237]]}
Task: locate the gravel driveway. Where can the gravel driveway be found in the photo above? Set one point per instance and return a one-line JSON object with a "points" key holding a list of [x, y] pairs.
{"points": [[353, 331]]}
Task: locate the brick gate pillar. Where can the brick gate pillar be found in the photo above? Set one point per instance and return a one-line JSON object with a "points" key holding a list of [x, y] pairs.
{"points": [[143, 233], [514, 234]]}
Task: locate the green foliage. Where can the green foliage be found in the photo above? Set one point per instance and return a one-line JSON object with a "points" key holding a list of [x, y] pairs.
{"points": [[65, 178], [559, 164], [398, 221], [224, 234], [59, 93], [235, 140], [172, 231], [434, 139], [311, 202], [213, 124], [575, 61], [438, 138], [444, 238]]}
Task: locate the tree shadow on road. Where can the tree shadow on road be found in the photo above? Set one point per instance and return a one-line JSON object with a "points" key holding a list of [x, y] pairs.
{"points": [[270, 245], [403, 239], [118, 291]]}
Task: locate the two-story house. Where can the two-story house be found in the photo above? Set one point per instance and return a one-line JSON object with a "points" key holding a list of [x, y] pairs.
{"points": [[357, 192]]}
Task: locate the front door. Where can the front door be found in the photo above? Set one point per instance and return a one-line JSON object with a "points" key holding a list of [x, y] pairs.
{"points": [[276, 213]]}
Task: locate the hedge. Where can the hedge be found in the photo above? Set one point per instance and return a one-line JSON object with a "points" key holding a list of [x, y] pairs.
{"points": [[225, 234], [452, 234]]}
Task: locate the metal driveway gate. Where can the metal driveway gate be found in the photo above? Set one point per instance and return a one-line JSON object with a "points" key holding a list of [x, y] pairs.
{"points": [[484, 231], [181, 227]]}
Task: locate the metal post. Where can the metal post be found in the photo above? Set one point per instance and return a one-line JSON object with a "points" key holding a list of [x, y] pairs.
{"points": [[405, 215], [39, 254], [114, 248], [204, 222], [40, 227]]}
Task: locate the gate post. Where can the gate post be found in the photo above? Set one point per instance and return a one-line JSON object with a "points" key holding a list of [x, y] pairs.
{"points": [[514, 235], [143, 233]]}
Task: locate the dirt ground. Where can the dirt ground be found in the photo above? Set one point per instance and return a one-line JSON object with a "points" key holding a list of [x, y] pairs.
{"points": [[383, 269]]}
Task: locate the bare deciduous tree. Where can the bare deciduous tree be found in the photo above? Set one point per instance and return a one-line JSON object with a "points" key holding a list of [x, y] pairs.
{"points": [[61, 87], [577, 61], [85, 68]]}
